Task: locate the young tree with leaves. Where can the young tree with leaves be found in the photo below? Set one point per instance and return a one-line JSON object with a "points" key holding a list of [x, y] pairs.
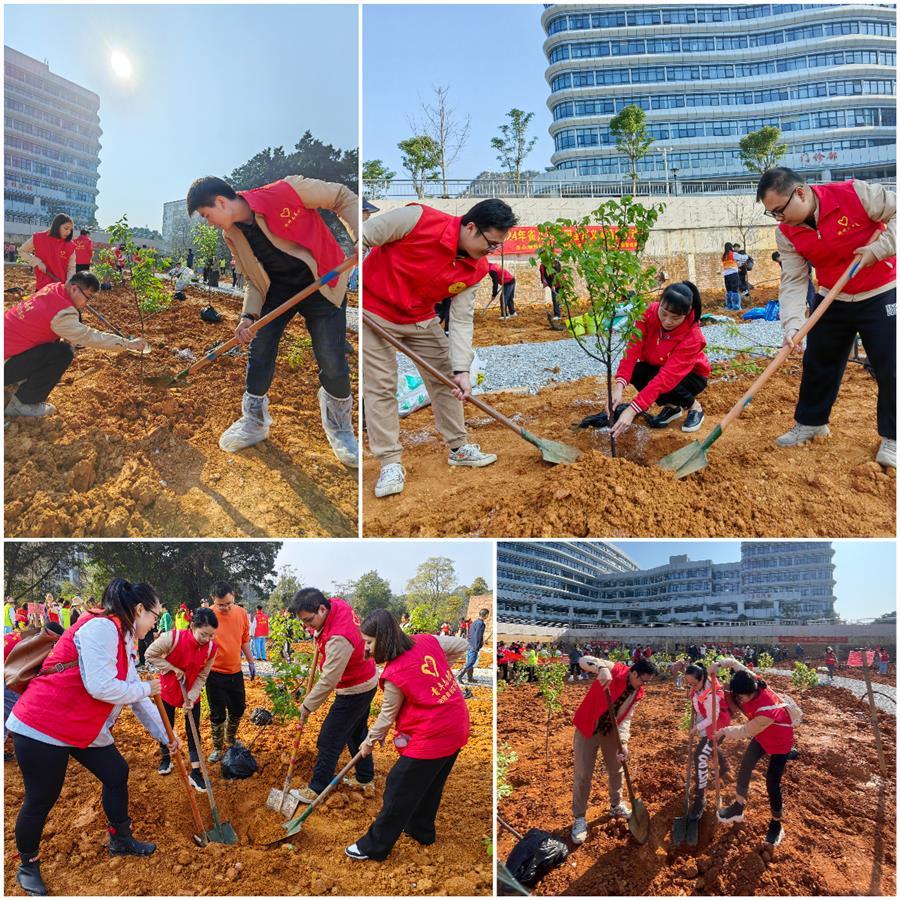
{"points": [[552, 681], [513, 144], [629, 128], [761, 150], [377, 178], [420, 157]]}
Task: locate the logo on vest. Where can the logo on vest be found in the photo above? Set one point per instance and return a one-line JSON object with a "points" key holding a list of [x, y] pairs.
{"points": [[429, 667], [456, 288], [846, 225], [288, 216]]}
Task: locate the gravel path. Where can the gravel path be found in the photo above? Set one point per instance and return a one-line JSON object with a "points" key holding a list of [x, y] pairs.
{"points": [[858, 689]]}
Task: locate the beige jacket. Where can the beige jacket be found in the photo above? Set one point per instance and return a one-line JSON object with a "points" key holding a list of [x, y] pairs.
{"points": [[26, 254], [394, 226], [67, 325], [880, 205], [313, 194], [156, 655], [338, 651]]}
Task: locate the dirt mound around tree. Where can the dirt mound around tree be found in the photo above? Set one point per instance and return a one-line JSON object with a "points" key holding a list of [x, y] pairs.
{"points": [[831, 487], [839, 817], [122, 458]]}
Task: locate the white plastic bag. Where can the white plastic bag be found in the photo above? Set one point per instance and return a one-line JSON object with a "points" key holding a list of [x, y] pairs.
{"points": [[411, 394]]}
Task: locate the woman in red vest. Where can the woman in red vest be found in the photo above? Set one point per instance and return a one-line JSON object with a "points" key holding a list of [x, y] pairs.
{"points": [[826, 226], [84, 251], [185, 656], [51, 253], [69, 709], [593, 732], [702, 696], [830, 661], [423, 701], [771, 731]]}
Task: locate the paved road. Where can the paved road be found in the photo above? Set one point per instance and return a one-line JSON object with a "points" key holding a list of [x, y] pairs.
{"points": [[886, 704]]}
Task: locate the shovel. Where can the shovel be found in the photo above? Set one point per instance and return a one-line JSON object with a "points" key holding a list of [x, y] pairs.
{"points": [[200, 837], [715, 740], [692, 458], [285, 801], [552, 451], [221, 832], [294, 826], [639, 820], [685, 830], [168, 381]]}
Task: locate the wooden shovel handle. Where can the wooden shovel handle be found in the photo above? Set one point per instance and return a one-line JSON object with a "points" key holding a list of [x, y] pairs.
{"points": [[440, 376], [201, 759], [715, 728], [182, 770], [783, 354], [615, 728], [296, 746]]}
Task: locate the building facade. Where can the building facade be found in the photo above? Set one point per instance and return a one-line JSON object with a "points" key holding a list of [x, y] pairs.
{"points": [[576, 583], [51, 134], [707, 75], [177, 226]]}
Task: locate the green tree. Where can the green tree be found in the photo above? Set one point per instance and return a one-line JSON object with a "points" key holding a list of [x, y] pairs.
{"points": [[433, 584], [423, 619], [620, 285], [149, 292], [761, 150], [479, 586], [420, 157], [513, 144], [287, 585], [629, 128], [552, 681], [31, 567], [377, 178], [374, 592]]}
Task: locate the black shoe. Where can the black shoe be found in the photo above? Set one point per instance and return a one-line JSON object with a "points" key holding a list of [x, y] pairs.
{"points": [[122, 842], [698, 806], [775, 834], [601, 420], [197, 781], [694, 420], [733, 813], [29, 876], [666, 415], [793, 754], [467, 694], [8, 757], [180, 295], [165, 766]]}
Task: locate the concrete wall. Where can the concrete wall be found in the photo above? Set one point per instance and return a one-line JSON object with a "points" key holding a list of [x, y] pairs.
{"points": [[686, 242], [478, 603]]}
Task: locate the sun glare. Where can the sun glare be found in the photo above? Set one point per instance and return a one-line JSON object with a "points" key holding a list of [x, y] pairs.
{"points": [[121, 64]]}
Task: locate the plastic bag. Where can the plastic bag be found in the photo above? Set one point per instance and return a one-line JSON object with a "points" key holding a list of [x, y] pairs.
{"points": [[535, 855], [411, 394], [238, 762]]}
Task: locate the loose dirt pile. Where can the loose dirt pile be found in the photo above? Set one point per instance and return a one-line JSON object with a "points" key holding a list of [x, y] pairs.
{"points": [[831, 487], [76, 862], [839, 819], [121, 458]]}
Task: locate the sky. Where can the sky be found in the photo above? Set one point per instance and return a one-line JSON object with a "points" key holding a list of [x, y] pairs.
{"points": [[490, 56], [212, 85], [865, 571], [325, 563]]}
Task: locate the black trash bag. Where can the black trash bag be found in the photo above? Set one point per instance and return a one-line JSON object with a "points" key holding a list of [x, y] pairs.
{"points": [[238, 762], [208, 314], [261, 716], [535, 855], [180, 295], [601, 419]]}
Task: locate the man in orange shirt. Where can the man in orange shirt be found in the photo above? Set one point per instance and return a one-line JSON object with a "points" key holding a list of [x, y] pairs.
{"points": [[225, 684]]}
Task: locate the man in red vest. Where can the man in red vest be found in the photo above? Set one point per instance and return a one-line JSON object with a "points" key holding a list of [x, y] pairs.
{"points": [[282, 245], [420, 256], [347, 670], [84, 251], [826, 226], [39, 335]]}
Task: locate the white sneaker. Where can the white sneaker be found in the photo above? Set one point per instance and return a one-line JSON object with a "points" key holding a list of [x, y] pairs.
{"points": [[16, 407], [622, 811], [391, 480], [887, 453], [470, 455], [337, 421], [801, 434], [251, 428], [579, 831]]}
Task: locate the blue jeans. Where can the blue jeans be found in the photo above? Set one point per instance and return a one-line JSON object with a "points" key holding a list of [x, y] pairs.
{"points": [[327, 326], [471, 660], [259, 648], [9, 701]]}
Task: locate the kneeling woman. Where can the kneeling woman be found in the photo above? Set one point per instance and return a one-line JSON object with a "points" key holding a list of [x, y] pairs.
{"points": [[431, 725], [703, 695], [665, 362], [68, 710], [771, 732]]}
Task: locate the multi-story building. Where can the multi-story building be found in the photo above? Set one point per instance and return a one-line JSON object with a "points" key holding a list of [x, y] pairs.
{"points": [[576, 583], [177, 226], [707, 75], [52, 147]]}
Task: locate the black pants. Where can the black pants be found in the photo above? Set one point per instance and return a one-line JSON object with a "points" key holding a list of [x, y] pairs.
{"points": [[828, 347], [43, 768], [195, 714], [442, 311], [82, 267], [683, 394], [346, 725], [327, 326], [703, 762], [508, 301], [226, 696], [412, 797], [40, 368], [777, 761]]}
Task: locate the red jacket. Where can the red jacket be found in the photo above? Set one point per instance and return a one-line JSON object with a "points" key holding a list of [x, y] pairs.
{"points": [[403, 280], [189, 656], [778, 737], [593, 706], [342, 620], [503, 275], [27, 324], [262, 625], [843, 226], [677, 353], [84, 250], [54, 253]]}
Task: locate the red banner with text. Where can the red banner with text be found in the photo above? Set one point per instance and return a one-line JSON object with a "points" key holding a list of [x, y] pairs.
{"points": [[524, 239]]}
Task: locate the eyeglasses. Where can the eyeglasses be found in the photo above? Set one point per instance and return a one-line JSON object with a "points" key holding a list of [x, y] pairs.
{"points": [[779, 213], [491, 245]]}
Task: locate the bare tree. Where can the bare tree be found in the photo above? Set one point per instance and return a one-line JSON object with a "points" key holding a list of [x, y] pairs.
{"points": [[441, 124], [746, 219]]}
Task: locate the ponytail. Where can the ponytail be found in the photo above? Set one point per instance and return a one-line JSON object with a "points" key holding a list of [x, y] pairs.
{"points": [[729, 250], [682, 298], [121, 597]]}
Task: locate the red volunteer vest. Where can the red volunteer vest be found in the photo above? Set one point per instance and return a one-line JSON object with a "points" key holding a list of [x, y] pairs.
{"points": [[594, 704], [262, 625], [843, 226], [404, 279], [189, 656], [58, 704], [503, 276], [27, 324], [343, 621], [84, 250], [777, 738], [698, 698], [434, 716], [289, 219], [54, 253]]}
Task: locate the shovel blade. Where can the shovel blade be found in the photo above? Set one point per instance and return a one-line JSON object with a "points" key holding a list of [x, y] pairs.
{"points": [[223, 833], [554, 452], [165, 381], [685, 831], [639, 822], [286, 804], [685, 460]]}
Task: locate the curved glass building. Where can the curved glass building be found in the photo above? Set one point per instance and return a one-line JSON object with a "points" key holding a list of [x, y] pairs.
{"points": [[708, 75]]}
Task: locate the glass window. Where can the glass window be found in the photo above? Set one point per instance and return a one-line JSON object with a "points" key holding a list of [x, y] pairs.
{"points": [[561, 82], [608, 19], [732, 42], [627, 48], [646, 74], [698, 45], [712, 14], [712, 72], [664, 45], [682, 73], [582, 79], [678, 16]]}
